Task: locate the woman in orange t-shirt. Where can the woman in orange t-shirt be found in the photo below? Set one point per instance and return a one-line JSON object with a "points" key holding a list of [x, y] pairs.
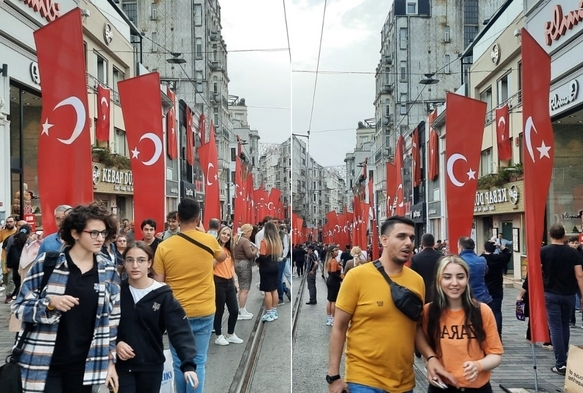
{"points": [[461, 331], [226, 292]]}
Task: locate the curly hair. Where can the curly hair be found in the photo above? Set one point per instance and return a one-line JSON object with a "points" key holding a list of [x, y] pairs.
{"points": [[79, 216]]}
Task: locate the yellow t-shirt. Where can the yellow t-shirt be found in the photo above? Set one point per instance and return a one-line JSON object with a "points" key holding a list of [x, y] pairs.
{"points": [[4, 234], [380, 339], [454, 343], [189, 271]]}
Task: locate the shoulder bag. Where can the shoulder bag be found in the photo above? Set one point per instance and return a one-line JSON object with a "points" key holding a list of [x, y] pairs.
{"points": [[405, 300], [196, 243]]}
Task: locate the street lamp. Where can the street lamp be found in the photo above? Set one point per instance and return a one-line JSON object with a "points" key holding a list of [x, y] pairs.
{"points": [[176, 58], [429, 80]]}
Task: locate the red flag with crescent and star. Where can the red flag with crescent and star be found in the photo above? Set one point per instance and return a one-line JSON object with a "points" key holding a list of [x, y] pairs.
{"points": [[189, 136], [141, 104], [250, 204], [503, 133], [539, 154], [433, 148], [202, 129], [391, 188], [102, 124], [464, 122], [240, 208], [416, 158], [209, 164], [64, 146], [399, 193], [171, 135], [275, 201]]}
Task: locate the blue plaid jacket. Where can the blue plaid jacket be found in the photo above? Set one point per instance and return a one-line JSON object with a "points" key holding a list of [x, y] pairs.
{"points": [[31, 306]]}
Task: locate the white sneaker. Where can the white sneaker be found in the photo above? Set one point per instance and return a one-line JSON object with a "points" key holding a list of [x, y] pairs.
{"points": [[234, 339], [221, 340], [328, 322], [244, 315]]}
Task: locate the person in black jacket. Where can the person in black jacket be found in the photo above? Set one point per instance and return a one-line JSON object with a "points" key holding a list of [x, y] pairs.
{"points": [[424, 263], [13, 256], [494, 278], [148, 309]]}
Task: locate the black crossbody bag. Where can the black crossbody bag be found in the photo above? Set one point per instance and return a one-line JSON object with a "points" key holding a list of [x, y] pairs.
{"points": [[196, 243], [405, 300]]}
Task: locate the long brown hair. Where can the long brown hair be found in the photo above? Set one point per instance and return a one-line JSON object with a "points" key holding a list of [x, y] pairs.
{"points": [[274, 246]]}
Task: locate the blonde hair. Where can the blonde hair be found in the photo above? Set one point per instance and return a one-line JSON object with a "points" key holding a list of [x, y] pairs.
{"points": [[355, 251], [273, 243], [246, 228]]}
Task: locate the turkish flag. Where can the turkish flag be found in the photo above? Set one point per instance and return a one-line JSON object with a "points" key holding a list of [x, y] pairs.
{"points": [[240, 208], [416, 158], [171, 139], [363, 221], [141, 105], [391, 187], [433, 154], [189, 136], [210, 166], [102, 125], [400, 194], [275, 199], [250, 201], [64, 146], [375, 229], [464, 122], [503, 133], [331, 223], [538, 168], [202, 128]]}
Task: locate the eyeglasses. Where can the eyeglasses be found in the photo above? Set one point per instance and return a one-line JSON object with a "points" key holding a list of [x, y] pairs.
{"points": [[95, 234], [140, 261]]}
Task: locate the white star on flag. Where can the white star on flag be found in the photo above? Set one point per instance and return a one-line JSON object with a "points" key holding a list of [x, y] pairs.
{"points": [[135, 153], [471, 174], [46, 126], [544, 150]]}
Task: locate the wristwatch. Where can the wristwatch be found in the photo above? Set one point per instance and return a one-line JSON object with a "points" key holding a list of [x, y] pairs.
{"points": [[331, 378]]}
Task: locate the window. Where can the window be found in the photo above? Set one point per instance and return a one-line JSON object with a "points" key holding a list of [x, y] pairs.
{"points": [[199, 80], [100, 68], [233, 176], [154, 41], [199, 48], [153, 11], [198, 14], [403, 70], [117, 77], [446, 67], [486, 96], [504, 91], [470, 32], [216, 117], [403, 98], [131, 10], [446, 34], [233, 154], [411, 8], [486, 162], [403, 109], [471, 12], [120, 145], [520, 82], [403, 38]]}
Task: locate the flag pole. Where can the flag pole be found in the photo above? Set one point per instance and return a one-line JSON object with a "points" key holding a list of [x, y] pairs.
{"points": [[534, 367]]}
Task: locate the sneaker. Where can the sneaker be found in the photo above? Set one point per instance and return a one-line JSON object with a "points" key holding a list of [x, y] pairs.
{"points": [[547, 346], [267, 317], [234, 339], [281, 302], [559, 370], [244, 316], [288, 293], [221, 340], [275, 315], [328, 322]]}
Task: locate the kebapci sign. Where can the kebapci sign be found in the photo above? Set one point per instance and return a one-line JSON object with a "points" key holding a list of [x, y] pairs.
{"points": [[48, 9]]}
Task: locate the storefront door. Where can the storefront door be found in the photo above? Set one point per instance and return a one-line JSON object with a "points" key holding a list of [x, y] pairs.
{"points": [[507, 234]]}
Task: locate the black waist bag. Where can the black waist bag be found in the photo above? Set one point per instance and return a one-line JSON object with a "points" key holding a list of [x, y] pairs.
{"points": [[405, 300]]}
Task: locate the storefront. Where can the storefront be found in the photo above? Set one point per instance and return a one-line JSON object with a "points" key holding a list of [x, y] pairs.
{"points": [[500, 210], [418, 217], [558, 29], [114, 188]]}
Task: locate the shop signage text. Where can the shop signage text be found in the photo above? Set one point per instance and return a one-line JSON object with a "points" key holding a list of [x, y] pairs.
{"points": [[566, 96], [122, 180], [487, 200], [558, 27], [48, 9]]}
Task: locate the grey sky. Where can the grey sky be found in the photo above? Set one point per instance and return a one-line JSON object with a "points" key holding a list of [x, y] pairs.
{"points": [[351, 43]]}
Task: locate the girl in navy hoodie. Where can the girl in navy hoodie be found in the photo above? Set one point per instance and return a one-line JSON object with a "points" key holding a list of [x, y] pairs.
{"points": [[148, 309]]}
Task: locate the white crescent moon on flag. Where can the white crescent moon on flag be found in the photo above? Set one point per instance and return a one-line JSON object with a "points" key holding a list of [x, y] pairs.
{"points": [[270, 203], [450, 161], [104, 101], [157, 147], [208, 176], [76, 103], [528, 127]]}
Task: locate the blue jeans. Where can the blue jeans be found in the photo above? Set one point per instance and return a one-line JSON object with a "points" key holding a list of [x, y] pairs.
{"points": [[559, 309], [496, 306], [358, 388], [202, 329], [280, 270]]}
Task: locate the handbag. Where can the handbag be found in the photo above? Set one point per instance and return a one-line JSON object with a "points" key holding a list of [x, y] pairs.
{"points": [[10, 377], [405, 300]]}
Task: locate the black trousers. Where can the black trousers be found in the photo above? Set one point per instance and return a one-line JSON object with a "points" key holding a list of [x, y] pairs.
{"points": [[487, 388], [139, 382], [66, 380], [300, 267], [312, 287], [226, 293]]}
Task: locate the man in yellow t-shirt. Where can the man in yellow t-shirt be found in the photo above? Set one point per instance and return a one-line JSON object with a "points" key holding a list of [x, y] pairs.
{"points": [[380, 339], [188, 269]]}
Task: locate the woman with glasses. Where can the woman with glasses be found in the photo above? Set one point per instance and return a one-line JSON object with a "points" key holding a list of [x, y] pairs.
{"points": [[72, 347], [226, 286], [148, 309], [334, 272]]}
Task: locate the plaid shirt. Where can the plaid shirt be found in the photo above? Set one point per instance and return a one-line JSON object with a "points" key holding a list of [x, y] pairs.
{"points": [[31, 306]]}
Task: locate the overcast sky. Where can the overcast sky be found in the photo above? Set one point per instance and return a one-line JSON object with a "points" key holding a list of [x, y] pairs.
{"points": [[350, 45]]}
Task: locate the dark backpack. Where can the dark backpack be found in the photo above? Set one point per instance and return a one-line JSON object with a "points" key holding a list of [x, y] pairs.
{"points": [[51, 258]]}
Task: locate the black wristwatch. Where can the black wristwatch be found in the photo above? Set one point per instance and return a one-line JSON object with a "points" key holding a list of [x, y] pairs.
{"points": [[331, 378]]}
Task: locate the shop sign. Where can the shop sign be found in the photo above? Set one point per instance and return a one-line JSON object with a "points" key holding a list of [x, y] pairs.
{"points": [[434, 209], [565, 95], [418, 212], [112, 180], [48, 9], [487, 200], [188, 190], [560, 24], [34, 72], [172, 188]]}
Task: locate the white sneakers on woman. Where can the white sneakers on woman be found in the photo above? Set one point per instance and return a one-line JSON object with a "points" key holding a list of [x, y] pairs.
{"points": [[244, 315], [225, 340]]}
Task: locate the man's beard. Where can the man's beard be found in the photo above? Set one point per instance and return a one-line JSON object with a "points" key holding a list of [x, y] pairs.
{"points": [[9, 226]]}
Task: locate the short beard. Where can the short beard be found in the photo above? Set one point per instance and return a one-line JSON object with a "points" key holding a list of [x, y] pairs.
{"points": [[398, 261]]}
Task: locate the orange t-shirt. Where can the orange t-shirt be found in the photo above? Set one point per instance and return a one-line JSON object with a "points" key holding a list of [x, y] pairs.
{"points": [[454, 343], [225, 269], [333, 266], [263, 247]]}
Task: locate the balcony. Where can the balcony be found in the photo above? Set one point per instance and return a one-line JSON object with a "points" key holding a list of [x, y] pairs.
{"points": [[512, 101], [387, 89], [216, 66], [93, 82]]}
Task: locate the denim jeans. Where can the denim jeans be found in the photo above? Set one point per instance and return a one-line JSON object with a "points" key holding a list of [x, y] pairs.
{"points": [[358, 388], [287, 271], [496, 306], [559, 309], [280, 270], [202, 329]]}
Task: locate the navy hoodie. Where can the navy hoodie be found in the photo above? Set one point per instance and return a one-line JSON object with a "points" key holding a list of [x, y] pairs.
{"points": [[142, 326]]}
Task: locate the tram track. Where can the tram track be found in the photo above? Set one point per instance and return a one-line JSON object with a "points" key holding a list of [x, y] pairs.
{"points": [[297, 307]]}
